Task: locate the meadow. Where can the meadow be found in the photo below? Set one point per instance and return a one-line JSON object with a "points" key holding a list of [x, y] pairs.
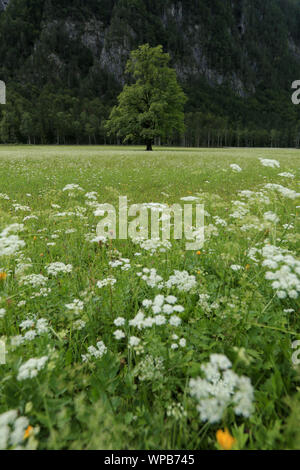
{"points": [[120, 344]]}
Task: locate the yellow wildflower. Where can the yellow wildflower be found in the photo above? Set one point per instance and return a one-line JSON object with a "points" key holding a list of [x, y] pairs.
{"points": [[225, 439], [28, 432]]}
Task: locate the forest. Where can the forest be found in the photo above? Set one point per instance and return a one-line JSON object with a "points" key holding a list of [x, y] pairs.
{"points": [[64, 61]]}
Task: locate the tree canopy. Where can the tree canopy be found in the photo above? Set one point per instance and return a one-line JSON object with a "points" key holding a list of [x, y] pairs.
{"points": [[153, 106]]}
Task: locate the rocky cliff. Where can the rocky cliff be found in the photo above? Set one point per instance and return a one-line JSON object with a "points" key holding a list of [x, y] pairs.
{"points": [[235, 58], [3, 4], [238, 42]]}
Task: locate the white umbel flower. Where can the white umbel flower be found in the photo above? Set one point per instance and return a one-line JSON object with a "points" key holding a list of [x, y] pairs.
{"points": [[56, 268], [269, 163], [119, 334], [220, 389], [235, 168], [134, 341], [95, 352], [31, 368]]}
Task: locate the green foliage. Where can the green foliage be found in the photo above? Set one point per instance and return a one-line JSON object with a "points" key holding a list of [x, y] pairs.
{"points": [[234, 60], [152, 107], [128, 399]]}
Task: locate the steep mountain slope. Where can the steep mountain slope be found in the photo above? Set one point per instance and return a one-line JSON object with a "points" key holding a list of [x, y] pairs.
{"points": [[3, 4], [235, 58]]}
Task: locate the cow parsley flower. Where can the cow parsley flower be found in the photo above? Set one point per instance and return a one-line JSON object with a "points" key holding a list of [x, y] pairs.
{"points": [[76, 306], [182, 280], [168, 309], [219, 221], [159, 300], [91, 196], [30, 335], [240, 210], [269, 163], [151, 278], [271, 217], [31, 368], [19, 207], [189, 198], [95, 352], [160, 320], [285, 192], [134, 341], [43, 292], [30, 217], [221, 388], [287, 175], [285, 274], [171, 299], [124, 263], [72, 187], [110, 281], [176, 411], [56, 268], [13, 228], [97, 239], [147, 303], [119, 334], [120, 321], [175, 320], [34, 280], [138, 320], [178, 308], [162, 304], [12, 429], [79, 325], [10, 244], [156, 309], [150, 369], [236, 267], [153, 244], [235, 168]]}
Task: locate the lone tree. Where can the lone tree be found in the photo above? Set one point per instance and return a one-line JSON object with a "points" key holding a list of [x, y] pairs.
{"points": [[153, 105]]}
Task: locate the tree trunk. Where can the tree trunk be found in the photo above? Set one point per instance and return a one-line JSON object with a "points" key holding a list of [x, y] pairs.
{"points": [[149, 146]]}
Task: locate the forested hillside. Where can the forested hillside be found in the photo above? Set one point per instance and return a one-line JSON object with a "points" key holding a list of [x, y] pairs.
{"points": [[63, 62]]}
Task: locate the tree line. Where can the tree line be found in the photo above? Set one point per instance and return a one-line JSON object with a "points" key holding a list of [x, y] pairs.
{"points": [[62, 118]]}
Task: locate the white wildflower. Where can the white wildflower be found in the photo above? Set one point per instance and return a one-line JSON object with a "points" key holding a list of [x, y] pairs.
{"points": [[110, 281], [175, 320], [30, 369], [220, 389], [182, 280], [56, 268], [119, 334], [269, 163], [134, 341], [120, 321], [235, 168], [95, 352]]}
